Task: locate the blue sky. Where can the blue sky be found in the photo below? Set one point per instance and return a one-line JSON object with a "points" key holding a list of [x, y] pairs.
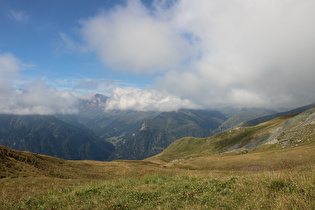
{"points": [[32, 33], [155, 55]]}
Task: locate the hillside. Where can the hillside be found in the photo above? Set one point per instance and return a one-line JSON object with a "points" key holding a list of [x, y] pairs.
{"points": [[116, 126], [51, 136], [22, 164], [284, 132]]}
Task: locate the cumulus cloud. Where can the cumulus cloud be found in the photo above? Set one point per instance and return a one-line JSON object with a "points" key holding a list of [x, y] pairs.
{"points": [[146, 100], [35, 98], [253, 52], [247, 53], [131, 39]]}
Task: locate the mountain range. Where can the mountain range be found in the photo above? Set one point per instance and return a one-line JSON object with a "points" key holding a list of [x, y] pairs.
{"points": [[51, 136], [284, 142], [157, 132], [98, 134]]}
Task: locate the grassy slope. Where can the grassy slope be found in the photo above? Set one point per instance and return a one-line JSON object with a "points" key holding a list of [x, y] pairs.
{"points": [[301, 158], [286, 131], [18, 164], [193, 147], [258, 180]]}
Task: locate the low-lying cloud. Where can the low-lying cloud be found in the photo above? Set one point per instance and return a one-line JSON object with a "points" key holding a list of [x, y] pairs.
{"points": [[248, 53], [35, 97], [146, 100]]}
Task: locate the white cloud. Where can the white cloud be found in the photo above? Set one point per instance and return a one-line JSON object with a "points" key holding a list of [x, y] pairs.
{"points": [[146, 100], [41, 99], [36, 98], [251, 52], [131, 39], [247, 52], [19, 16]]}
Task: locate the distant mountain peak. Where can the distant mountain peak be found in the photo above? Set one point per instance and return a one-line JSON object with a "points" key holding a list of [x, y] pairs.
{"points": [[95, 100], [100, 97]]}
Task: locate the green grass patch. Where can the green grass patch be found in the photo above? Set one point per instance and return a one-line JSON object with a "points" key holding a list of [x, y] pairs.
{"points": [[272, 190]]}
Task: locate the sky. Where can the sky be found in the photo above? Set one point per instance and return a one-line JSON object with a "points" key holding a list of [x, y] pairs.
{"points": [[156, 54]]}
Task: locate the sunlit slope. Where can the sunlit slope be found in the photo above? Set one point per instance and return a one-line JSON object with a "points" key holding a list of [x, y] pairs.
{"points": [[14, 164], [17, 163], [280, 133]]}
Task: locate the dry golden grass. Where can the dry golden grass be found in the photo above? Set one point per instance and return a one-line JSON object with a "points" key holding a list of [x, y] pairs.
{"points": [[285, 189], [272, 179], [277, 159]]}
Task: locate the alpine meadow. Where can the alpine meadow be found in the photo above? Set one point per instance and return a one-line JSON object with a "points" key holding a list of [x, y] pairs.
{"points": [[157, 104], [267, 166]]}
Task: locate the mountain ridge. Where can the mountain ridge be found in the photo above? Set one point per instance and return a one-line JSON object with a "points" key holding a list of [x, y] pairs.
{"points": [[286, 131], [265, 118]]}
